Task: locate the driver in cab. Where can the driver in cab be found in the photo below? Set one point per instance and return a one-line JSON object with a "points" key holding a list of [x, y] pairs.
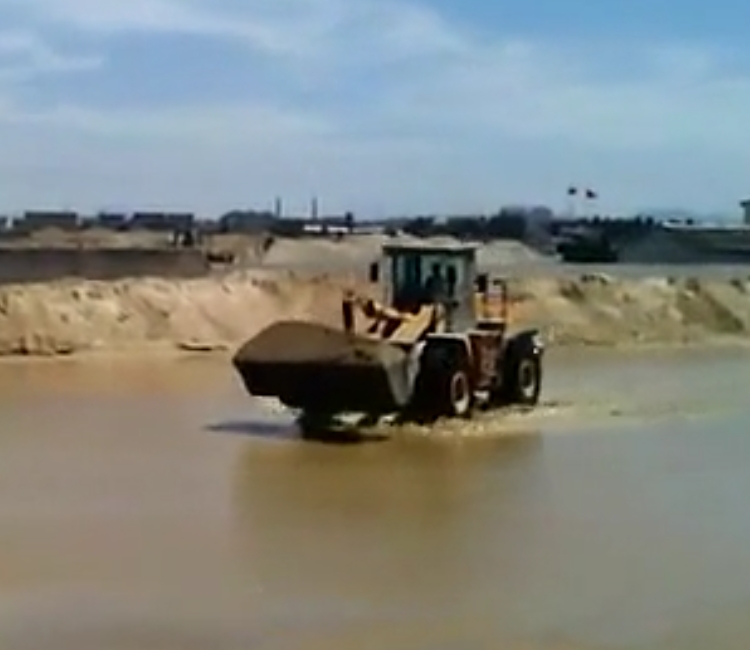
{"points": [[436, 288]]}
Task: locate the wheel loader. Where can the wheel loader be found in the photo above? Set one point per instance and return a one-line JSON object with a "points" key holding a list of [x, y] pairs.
{"points": [[438, 345]]}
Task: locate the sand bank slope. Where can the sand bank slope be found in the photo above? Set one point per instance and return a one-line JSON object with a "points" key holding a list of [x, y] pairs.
{"points": [[354, 253], [602, 310], [70, 316]]}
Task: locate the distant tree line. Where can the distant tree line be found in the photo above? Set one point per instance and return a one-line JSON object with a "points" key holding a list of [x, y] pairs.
{"points": [[504, 225], [613, 228], [517, 225]]}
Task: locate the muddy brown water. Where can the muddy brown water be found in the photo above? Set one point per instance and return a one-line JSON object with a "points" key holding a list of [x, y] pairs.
{"points": [[151, 506]]}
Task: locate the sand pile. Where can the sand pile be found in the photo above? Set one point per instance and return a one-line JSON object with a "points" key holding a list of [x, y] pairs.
{"points": [[245, 249], [89, 238], [602, 310], [70, 316], [356, 252], [506, 253], [324, 255]]}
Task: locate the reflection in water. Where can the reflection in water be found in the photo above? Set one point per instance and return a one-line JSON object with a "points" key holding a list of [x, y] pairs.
{"points": [[381, 533], [729, 630], [290, 431], [258, 429]]}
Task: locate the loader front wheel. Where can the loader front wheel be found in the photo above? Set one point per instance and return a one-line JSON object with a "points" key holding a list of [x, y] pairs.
{"points": [[524, 379], [454, 397], [314, 423], [459, 397], [443, 387]]}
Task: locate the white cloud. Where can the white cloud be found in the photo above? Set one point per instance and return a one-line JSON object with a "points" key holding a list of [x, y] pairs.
{"points": [[538, 91], [159, 16], [208, 159], [271, 31], [201, 126], [302, 28], [24, 54], [447, 118]]}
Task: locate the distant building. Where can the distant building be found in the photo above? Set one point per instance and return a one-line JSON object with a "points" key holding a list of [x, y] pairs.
{"points": [[162, 221], [247, 221], [745, 205], [330, 225], [111, 220], [369, 229], [38, 220], [207, 226]]}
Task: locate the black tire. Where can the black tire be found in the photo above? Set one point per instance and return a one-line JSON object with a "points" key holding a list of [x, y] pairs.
{"points": [[455, 397], [313, 423], [523, 378], [446, 389], [443, 387]]}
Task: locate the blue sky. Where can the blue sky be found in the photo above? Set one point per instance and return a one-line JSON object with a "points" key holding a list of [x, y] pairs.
{"points": [[380, 106]]}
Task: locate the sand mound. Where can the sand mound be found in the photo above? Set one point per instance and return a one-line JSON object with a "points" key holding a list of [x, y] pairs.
{"points": [[324, 255], [506, 253], [203, 314], [353, 254], [71, 315], [602, 310], [89, 238]]}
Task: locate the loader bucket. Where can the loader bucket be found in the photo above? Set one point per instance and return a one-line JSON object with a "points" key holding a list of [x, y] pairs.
{"points": [[318, 368]]}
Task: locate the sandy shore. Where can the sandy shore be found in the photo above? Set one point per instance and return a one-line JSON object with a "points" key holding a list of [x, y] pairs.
{"points": [[218, 313]]}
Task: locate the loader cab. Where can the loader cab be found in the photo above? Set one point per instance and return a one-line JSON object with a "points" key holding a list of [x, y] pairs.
{"points": [[420, 275]]}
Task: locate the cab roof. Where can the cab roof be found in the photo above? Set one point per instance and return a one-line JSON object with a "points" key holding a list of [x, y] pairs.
{"points": [[427, 246]]}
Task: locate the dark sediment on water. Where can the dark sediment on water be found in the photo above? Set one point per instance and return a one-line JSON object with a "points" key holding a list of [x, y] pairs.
{"points": [[290, 342]]}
